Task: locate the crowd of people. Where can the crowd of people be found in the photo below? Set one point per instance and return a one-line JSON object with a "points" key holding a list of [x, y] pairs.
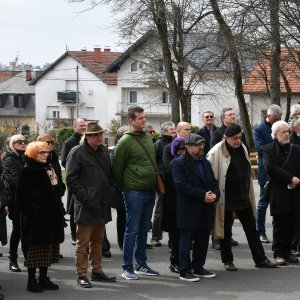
{"points": [[207, 185]]}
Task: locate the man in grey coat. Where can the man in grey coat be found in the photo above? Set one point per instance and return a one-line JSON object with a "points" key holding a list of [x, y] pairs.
{"points": [[89, 178]]}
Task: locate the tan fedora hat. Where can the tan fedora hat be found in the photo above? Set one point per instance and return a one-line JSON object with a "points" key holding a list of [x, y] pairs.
{"points": [[93, 127]]}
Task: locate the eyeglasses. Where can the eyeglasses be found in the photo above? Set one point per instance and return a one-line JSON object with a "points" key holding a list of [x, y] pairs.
{"points": [[21, 142], [209, 117], [43, 152], [151, 131], [50, 143]]}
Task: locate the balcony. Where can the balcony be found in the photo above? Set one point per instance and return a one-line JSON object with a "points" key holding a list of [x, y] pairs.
{"points": [[150, 109], [66, 97]]}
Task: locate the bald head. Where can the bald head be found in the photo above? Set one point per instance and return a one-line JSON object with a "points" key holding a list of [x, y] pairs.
{"points": [[183, 129], [80, 126]]}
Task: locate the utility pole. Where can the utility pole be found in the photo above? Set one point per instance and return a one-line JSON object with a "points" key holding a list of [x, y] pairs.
{"points": [[77, 93]]}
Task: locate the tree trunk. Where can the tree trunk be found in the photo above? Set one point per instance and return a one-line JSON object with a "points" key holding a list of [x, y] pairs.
{"points": [[236, 71], [276, 50], [288, 96]]}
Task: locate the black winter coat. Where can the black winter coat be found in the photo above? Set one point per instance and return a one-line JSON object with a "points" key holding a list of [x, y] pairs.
{"points": [[42, 212], [159, 146], [280, 173], [192, 212], [12, 167], [205, 133]]}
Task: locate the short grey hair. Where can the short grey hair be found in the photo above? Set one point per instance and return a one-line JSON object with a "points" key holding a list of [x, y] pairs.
{"points": [[294, 122], [294, 109], [224, 110], [276, 126], [274, 110], [164, 126]]}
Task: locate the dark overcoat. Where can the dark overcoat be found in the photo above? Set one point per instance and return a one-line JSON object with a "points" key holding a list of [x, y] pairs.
{"points": [[89, 178], [192, 212], [262, 136], [282, 199], [42, 220], [206, 134]]}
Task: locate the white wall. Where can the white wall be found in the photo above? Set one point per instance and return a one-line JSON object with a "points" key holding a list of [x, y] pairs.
{"points": [[93, 93]]}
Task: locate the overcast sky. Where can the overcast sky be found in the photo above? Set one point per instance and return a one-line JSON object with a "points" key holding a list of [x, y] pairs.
{"points": [[38, 31]]}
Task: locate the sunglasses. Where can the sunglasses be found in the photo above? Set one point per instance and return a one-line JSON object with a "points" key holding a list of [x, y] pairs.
{"points": [[21, 142], [43, 152], [209, 117], [50, 143]]}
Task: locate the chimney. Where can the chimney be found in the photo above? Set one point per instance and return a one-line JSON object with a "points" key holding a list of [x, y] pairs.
{"points": [[83, 49], [106, 49], [97, 54], [28, 75]]}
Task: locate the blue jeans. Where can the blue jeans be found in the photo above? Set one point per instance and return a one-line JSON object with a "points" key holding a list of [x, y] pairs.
{"points": [[139, 206], [261, 212]]}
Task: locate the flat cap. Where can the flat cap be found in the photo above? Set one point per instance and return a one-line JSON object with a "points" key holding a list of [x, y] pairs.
{"points": [[194, 139]]}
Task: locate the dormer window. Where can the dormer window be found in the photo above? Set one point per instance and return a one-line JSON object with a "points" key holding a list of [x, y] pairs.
{"points": [[133, 67]]}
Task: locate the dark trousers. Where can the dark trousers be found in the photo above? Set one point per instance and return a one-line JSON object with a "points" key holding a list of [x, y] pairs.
{"points": [[157, 218], [174, 239], [15, 238], [201, 238], [249, 226], [105, 243], [282, 235], [72, 226], [121, 222], [296, 235]]}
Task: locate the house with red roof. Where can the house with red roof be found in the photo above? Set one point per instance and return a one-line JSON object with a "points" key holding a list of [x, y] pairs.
{"points": [[75, 86], [257, 83]]}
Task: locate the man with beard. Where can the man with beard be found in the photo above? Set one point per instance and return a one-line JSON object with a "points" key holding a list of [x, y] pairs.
{"points": [[282, 163]]}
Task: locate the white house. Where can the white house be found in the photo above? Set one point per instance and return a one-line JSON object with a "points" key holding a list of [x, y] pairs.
{"points": [[141, 81], [75, 86]]}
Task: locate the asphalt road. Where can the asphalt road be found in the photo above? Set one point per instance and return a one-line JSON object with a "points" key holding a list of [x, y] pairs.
{"points": [[247, 283]]}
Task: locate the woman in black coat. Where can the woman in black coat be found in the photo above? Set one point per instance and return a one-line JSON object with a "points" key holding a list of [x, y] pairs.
{"points": [[42, 215], [12, 166]]}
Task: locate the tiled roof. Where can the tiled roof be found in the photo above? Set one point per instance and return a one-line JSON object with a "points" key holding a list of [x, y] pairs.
{"points": [[17, 85], [4, 75], [256, 83], [86, 58]]}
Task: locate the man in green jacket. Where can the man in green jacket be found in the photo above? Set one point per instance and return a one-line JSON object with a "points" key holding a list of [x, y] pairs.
{"points": [[134, 170]]}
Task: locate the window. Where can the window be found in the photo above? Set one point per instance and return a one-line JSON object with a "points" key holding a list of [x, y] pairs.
{"points": [[55, 114], [165, 97], [19, 101], [71, 85], [133, 67], [132, 96]]}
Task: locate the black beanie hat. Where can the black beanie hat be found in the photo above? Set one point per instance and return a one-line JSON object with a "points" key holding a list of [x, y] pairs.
{"points": [[232, 130]]}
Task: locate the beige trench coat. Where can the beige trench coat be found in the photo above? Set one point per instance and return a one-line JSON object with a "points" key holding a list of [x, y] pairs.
{"points": [[219, 158]]}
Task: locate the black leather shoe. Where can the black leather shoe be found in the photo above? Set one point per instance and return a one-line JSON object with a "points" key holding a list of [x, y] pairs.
{"points": [[1, 296], [265, 264], [101, 276], [174, 268], [106, 253], [13, 266], [47, 284], [230, 266], [1, 254], [84, 282], [234, 243]]}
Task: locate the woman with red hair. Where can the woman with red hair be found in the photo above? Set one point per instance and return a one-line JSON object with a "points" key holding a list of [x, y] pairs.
{"points": [[42, 214]]}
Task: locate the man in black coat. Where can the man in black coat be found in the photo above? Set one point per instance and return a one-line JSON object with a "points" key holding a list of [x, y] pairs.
{"points": [[72, 141], [197, 190], [282, 164], [295, 139], [206, 131], [167, 134]]}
